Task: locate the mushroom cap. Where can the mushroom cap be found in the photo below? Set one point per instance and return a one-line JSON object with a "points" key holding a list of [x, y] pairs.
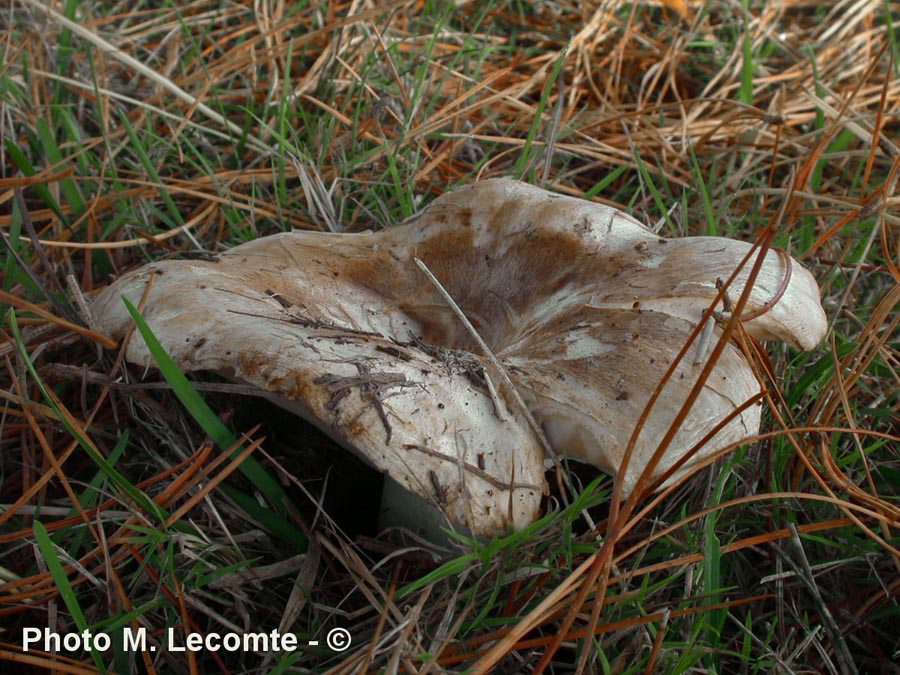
{"points": [[584, 306]]}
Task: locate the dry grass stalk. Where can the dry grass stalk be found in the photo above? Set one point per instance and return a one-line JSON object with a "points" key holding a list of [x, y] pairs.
{"points": [[710, 105]]}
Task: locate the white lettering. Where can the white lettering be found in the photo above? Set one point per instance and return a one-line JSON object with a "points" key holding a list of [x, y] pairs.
{"points": [[214, 642], [57, 642], [52, 641], [252, 640], [30, 635], [135, 640], [101, 642], [195, 642], [170, 641]]}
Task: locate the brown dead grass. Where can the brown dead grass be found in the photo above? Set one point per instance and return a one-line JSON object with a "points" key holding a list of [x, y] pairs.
{"points": [[377, 98]]}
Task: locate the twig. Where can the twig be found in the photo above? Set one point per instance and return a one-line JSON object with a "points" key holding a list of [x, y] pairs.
{"points": [[139, 67], [16, 301], [535, 427], [35, 242], [62, 372], [807, 579], [25, 267], [554, 128]]}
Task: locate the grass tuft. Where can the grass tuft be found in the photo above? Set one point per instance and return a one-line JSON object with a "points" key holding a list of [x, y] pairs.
{"points": [[152, 501]]}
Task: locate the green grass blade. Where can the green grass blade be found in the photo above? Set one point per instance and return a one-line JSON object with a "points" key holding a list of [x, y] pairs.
{"points": [[892, 36], [745, 91], [12, 238], [136, 496], [654, 191], [89, 497], [217, 431], [525, 156], [711, 229], [66, 592], [55, 157], [24, 165], [820, 91], [607, 180], [64, 50], [136, 144], [181, 387]]}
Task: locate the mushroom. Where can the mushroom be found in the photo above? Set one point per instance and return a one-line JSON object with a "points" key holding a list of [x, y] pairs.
{"points": [[583, 308]]}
